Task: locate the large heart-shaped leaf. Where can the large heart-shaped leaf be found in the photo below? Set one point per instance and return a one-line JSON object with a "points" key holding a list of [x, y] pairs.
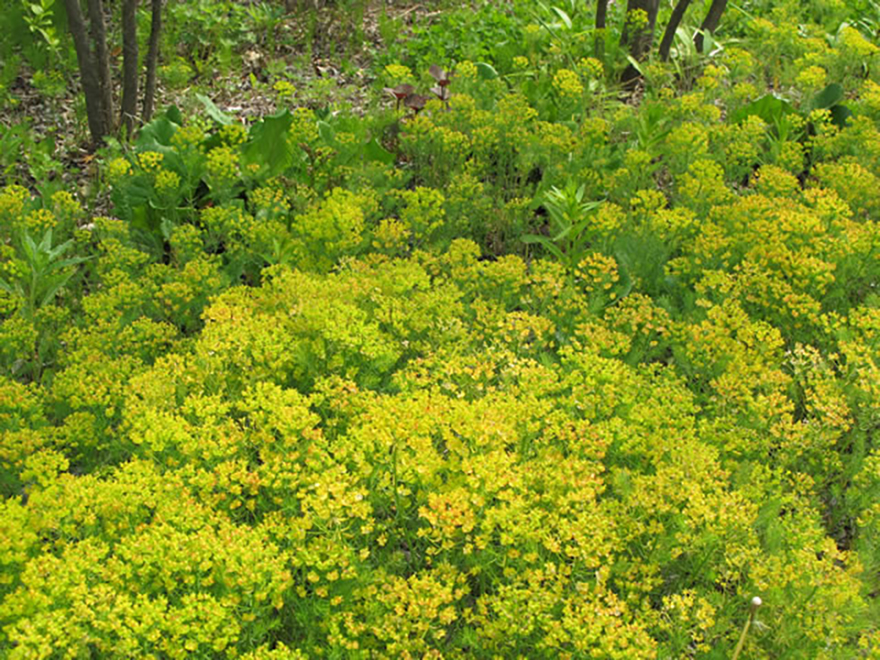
{"points": [[269, 146]]}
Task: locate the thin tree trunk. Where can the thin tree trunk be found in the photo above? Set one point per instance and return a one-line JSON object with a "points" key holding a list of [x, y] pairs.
{"points": [[674, 21], [638, 41], [87, 71], [129, 66], [102, 60], [601, 20], [152, 59], [711, 23]]}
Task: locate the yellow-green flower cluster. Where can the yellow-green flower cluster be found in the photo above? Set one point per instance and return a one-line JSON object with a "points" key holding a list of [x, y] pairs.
{"points": [[853, 41], [64, 204], [223, 165], [391, 236], [636, 19], [269, 202], [332, 227], [167, 182], [303, 129], [189, 136], [398, 73], [284, 89], [39, 221], [150, 161], [567, 84], [233, 134], [117, 169], [466, 70], [812, 78], [590, 67]]}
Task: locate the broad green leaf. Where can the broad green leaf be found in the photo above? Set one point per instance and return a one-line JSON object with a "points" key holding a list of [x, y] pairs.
{"points": [[828, 97], [157, 133], [486, 71], [373, 151], [269, 146], [769, 107], [840, 115], [174, 115]]}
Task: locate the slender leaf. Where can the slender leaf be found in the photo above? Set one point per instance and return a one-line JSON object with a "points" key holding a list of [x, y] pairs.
{"points": [[562, 15], [214, 112]]}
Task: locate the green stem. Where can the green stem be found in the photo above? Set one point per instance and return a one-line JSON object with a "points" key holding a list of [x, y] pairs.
{"points": [[756, 603]]}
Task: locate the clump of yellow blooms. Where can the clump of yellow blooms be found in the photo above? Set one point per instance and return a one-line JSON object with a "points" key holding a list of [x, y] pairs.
{"points": [[812, 78], [852, 40], [398, 72], [285, 89], [150, 161], [39, 221], [167, 181], [636, 19], [188, 136], [223, 165], [391, 236], [269, 202], [303, 128], [590, 67], [568, 84], [13, 200], [332, 227], [117, 169], [338, 412], [466, 70], [233, 134], [598, 274], [423, 212]]}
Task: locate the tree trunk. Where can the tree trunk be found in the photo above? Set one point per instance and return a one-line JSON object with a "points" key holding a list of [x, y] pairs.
{"points": [[129, 66], [638, 40], [671, 27], [601, 20], [152, 59], [710, 24], [102, 61], [87, 71]]}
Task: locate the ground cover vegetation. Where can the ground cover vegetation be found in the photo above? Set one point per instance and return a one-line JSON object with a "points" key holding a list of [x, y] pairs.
{"points": [[423, 332]]}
